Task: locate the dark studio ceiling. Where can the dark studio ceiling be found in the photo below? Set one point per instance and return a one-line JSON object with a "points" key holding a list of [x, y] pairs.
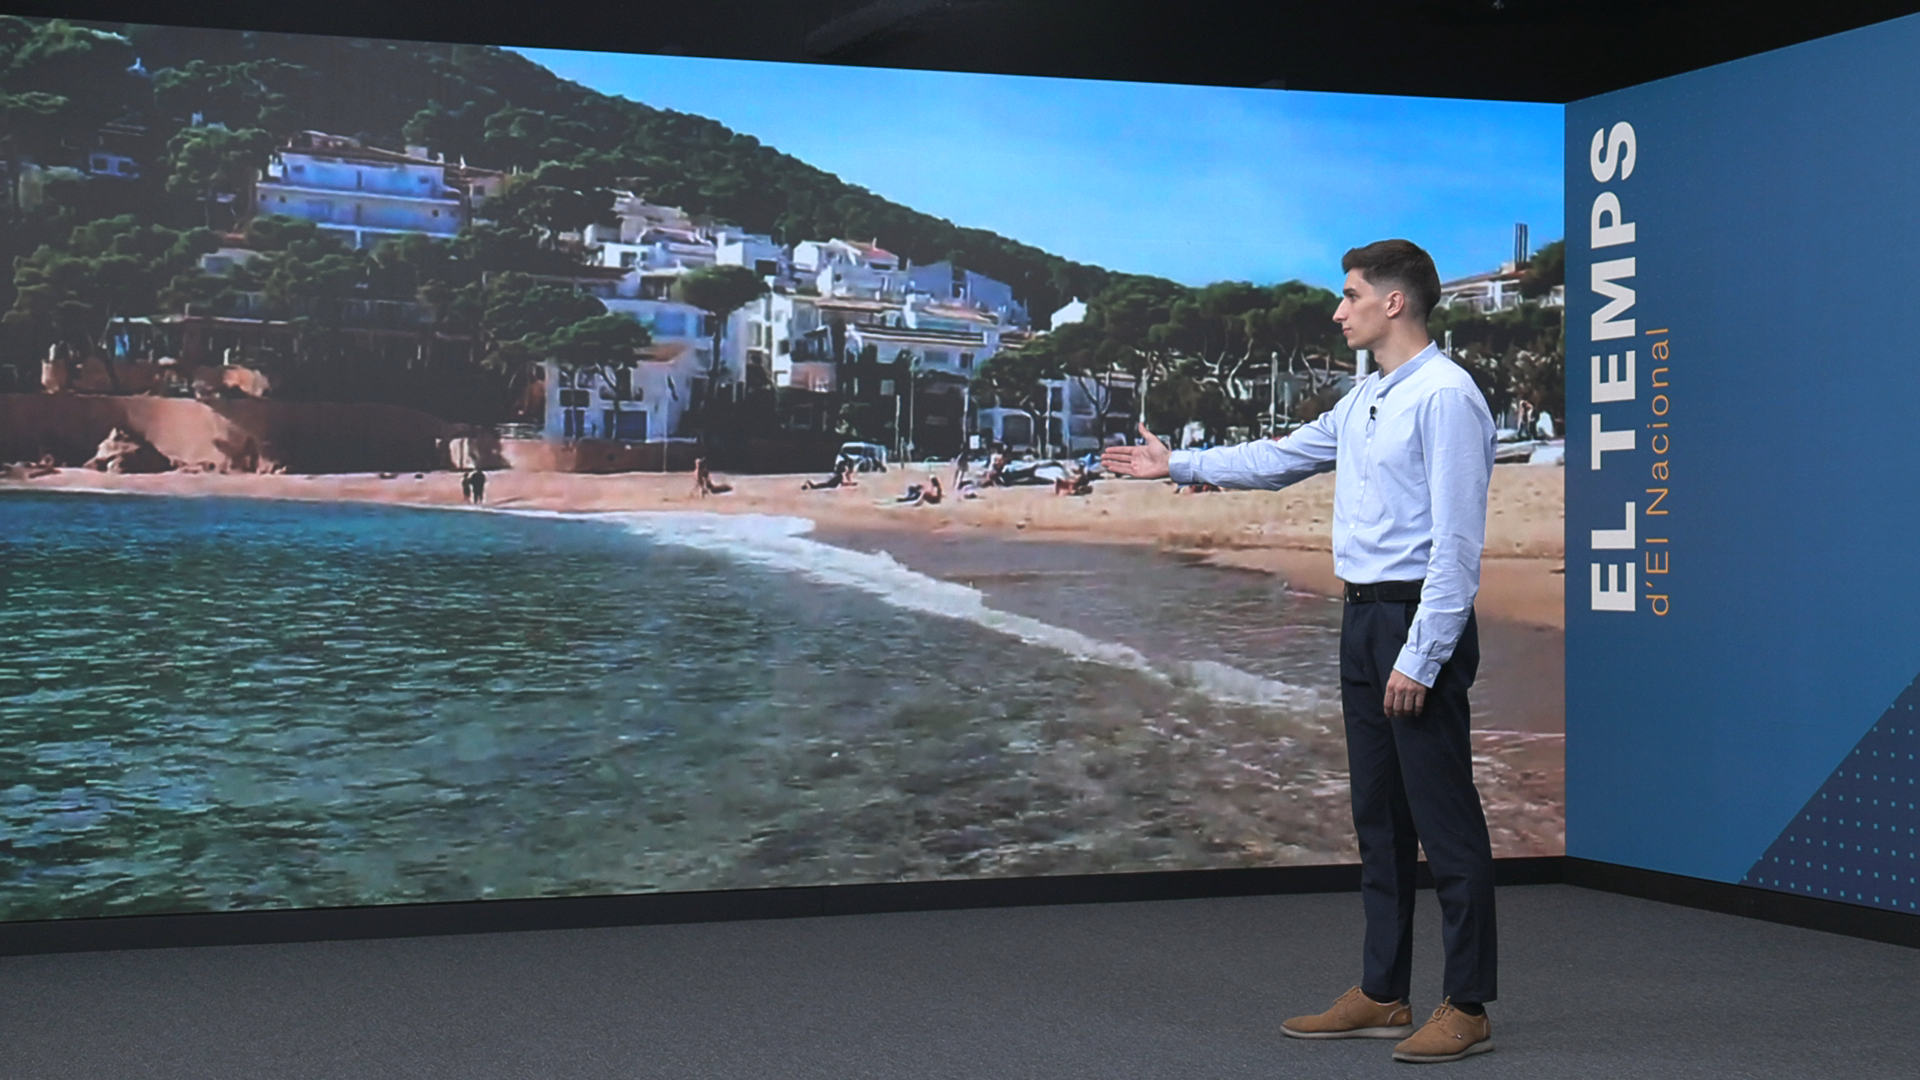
{"points": [[1540, 50]]}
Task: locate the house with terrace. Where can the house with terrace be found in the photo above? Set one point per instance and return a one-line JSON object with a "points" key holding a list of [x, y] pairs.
{"points": [[365, 194]]}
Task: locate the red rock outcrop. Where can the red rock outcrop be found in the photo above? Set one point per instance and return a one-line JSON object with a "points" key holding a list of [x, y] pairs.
{"points": [[124, 452]]}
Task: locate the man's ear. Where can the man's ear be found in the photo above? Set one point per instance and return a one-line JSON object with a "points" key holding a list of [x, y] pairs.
{"points": [[1395, 303]]}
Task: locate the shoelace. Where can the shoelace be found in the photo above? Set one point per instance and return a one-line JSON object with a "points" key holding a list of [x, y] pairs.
{"points": [[1442, 1011]]}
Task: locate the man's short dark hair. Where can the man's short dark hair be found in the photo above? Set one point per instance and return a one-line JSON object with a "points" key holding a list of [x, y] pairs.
{"points": [[1398, 264]]}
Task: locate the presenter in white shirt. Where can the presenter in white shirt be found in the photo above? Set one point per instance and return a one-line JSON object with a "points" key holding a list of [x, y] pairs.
{"points": [[1412, 449]]}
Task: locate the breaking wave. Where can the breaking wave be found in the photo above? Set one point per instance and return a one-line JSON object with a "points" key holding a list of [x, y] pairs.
{"points": [[782, 544]]}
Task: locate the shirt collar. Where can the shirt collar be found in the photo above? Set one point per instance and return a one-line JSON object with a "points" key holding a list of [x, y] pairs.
{"points": [[1406, 370]]}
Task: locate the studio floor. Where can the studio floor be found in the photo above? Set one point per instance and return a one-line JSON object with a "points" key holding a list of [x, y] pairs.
{"points": [[1593, 985]]}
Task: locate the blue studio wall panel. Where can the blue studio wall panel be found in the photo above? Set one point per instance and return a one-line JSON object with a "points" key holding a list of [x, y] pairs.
{"points": [[1743, 460]]}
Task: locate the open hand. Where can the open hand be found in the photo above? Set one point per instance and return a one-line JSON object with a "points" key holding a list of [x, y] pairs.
{"points": [[1147, 462], [1405, 698]]}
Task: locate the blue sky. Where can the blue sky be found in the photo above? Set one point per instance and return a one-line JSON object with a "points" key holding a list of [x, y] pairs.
{"points": [[1193, 183]]}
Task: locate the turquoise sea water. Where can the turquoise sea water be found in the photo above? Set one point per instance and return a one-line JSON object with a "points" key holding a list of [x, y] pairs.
{"points": [[212, 704]]}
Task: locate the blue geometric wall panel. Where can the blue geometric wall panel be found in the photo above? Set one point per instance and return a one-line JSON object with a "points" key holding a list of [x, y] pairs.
{"points": [[1858, 838]]}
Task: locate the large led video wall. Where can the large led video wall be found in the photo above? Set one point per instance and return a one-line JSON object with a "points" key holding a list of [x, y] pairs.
{"points": [[1741, 650], [445, 472]]}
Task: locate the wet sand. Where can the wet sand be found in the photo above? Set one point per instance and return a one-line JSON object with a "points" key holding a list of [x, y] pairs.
{"points": [[1104, 591]]}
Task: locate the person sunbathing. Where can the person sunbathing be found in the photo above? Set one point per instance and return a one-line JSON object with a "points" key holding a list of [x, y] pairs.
{"points": [[842, 477], [927, 494], [1075, 483], [996, 470]]}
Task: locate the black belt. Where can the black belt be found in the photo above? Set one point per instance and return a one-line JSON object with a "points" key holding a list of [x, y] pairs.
{"points": [[1391, 592]]}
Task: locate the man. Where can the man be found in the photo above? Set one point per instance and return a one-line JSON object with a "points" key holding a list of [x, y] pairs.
{"points": [[1413, 446]]}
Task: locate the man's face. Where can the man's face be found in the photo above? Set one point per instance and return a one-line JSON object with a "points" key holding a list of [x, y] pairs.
{"points": [[1364, 311]]}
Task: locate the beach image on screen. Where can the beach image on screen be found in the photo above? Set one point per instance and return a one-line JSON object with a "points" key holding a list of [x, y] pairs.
{"points": [[448, 472]]}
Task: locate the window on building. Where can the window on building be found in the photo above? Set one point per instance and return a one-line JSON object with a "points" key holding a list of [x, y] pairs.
{"points": [[628, 259], [886, 387], [966, 361], [632, 425]]}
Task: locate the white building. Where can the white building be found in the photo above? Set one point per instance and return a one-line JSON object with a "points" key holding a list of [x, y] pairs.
{"points": [[658, 248], [1084, 410], [948, 284], [644, 399], [1075, 310], [1495, 291], [789, 338], [812, 256], [220, 262], [755, 251], [365, 194]]}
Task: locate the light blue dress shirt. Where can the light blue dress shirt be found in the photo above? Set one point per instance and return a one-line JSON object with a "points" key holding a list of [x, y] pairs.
{"points": [[1414, 454]]}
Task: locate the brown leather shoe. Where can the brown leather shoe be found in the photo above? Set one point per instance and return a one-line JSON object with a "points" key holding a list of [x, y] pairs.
{"points": [[1354, 1016], [1448, 1035]]}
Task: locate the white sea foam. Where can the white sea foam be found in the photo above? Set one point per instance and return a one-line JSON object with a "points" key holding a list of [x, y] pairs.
{"points": [[781, 543]]}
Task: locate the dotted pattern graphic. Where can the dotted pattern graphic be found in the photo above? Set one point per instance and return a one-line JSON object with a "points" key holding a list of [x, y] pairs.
{"points": [[1858, 838]]}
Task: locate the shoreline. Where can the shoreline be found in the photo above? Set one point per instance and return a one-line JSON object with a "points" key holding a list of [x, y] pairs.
{"points": [[1519, 730], [1283, 534]]}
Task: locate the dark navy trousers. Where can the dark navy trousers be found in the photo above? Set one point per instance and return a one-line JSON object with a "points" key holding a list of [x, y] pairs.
{"points": [[1413, 789]]}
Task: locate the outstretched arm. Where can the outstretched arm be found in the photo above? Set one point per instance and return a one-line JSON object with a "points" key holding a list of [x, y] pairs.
{"points": [[1266, 463], [1262, 463]]}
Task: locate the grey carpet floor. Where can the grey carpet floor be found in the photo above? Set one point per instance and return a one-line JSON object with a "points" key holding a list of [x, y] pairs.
{"points": [[1593, 985]]}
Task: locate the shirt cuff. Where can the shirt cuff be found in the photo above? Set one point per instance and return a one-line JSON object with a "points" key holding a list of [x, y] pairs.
{"points": [[1416, 667], [1180, 466]]}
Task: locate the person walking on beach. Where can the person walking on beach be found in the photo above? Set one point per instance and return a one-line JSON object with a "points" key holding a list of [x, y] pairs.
{"points": [[476, 486], [1412, 445]]}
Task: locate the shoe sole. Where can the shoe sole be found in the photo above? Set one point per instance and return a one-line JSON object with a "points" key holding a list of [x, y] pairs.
{"points": [[1480, 1047], [1400, 1032]]}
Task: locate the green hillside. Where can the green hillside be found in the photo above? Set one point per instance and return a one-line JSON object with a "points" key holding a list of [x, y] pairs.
{"points": [[200, 111], [495, 109]]}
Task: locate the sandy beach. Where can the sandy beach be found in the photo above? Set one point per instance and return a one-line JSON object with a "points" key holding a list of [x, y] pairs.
{"points": [[1519, 713], [1284, 533]]}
